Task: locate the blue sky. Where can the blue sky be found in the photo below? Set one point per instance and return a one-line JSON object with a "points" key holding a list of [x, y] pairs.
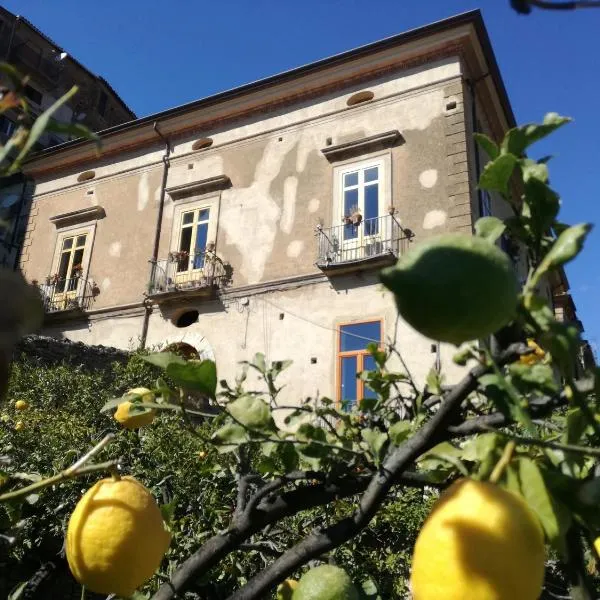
{"points": [[161, 54]]}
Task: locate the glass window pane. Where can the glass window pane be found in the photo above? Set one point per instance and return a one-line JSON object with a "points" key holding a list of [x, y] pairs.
{"points": [[358, 335], [351, 179], [372, 174], [186, 240], [203, 214], [201, 234], [368, 365], [350, 201], [348, 380], [67, 243], [80, 240], [188, 218], [64, 264], [371, 201]]}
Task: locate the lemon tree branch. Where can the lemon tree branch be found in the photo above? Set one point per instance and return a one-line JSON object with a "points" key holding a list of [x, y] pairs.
{"points": [[396, 463], [77, 469]]}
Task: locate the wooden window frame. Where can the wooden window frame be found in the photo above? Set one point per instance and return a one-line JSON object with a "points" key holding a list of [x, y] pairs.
{"points": [[360, 354]]}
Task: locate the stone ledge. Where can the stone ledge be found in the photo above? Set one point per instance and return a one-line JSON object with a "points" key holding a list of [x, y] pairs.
{"points": [[362, 145]]}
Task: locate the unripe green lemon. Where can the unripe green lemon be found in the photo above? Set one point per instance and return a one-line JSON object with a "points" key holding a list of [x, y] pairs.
{"points": [[325, 583], [454, 287], [479, 542], [286, 589]]}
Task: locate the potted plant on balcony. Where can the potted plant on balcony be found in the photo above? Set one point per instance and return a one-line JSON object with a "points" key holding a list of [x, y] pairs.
{"points": [[354, 218]]}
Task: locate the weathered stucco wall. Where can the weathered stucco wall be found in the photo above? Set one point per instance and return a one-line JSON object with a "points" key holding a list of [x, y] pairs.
{"points": [[281, 187], [298, 324]]}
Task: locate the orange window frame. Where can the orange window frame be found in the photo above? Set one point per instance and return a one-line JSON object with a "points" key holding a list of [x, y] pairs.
{"points": [[360, 357]]}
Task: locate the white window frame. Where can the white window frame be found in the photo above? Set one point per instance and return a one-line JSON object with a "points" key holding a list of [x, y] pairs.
{"points": [[210, 202], [73, 231], [381, 160]]}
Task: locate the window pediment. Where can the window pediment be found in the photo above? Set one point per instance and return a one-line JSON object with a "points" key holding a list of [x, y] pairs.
{"points": [[84, 215], [197, 188], [362, 145]]}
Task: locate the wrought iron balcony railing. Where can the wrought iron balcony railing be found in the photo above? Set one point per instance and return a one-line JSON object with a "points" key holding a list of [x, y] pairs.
{"points": [[61, 294], [187, 272], [369, 240]]}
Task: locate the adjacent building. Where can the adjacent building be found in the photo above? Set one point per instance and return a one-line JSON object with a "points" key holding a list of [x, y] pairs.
{"points": [[52, 72], [256, 220]]}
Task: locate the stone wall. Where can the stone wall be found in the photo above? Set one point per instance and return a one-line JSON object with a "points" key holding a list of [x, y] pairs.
{"points": [[51, 351]]}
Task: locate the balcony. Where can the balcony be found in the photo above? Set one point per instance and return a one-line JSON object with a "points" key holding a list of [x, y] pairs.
{"points": [[184, 274], [67, 295], [360, 245]]}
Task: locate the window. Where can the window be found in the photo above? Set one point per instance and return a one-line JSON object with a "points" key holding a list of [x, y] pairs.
{"points": [[361, 193], [486, 203], [70, 263], [7, 126], [192, 239], [353, 357], [32, 94]]}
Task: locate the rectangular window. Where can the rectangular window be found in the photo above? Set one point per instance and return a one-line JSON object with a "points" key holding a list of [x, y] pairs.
{"points": [[353, 357], [486, 203], [7, 126], [70, 263], [192, 239], [361, 194]]}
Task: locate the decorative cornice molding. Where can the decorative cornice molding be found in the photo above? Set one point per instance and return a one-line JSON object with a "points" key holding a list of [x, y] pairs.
{"points": [[362, 145], [211, 184], [83, 215]]}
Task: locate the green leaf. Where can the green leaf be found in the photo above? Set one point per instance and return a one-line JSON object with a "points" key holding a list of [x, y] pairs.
{"points": [[564, 249], [434, 382], [400, 432], [496, 174], [266, 465], [289, 456], [540, 206], [163, 359], [259, 362], [200, 376], [377, 442], [533, 170], [490, 228], [308, 432], [490, 147], [113, 403], [527, 378], [480, 447], [168, 511], [251, 411], [517, 140], [76, 130], [295, 417], [39, 127], [280, 365], [18, 592], [576, 424], [231, 433], [554, 520]]}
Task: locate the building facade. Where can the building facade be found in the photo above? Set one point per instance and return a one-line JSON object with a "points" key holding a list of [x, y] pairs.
{"points": [[52, 72], [256, 220]]}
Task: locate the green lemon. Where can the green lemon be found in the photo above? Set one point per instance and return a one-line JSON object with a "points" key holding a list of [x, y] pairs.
{"points": [[454, 288], [325, 583]]}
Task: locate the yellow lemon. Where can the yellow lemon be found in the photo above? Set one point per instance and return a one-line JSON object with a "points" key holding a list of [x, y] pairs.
{"points": [[454, 287], [19, 426], [325, 583], [286, 589], [480, 542], [116, 537], [201, 454], [535, 357], [597, 544], [21, 405], [135, 420]]}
